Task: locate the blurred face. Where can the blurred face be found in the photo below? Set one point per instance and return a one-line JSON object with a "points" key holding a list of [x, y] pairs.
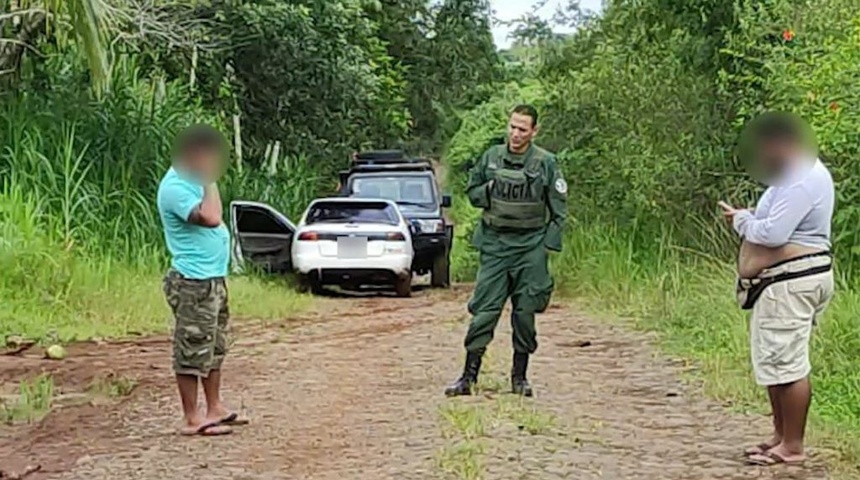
{"points": [[773, 142], [521, 131], [205, 163], [776, 154]]}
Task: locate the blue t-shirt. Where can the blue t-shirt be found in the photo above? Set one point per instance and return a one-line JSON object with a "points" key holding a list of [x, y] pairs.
{"points": [[197, 252]]}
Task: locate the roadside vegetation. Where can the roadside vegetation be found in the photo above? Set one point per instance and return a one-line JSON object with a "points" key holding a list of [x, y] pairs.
{"points": [[93, 93], [478, 426], [643, 106]]}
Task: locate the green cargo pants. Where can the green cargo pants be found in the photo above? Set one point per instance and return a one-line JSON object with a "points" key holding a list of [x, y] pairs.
{"points": [[528, 283]]}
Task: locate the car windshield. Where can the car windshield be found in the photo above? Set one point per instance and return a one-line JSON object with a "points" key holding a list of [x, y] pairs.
{"points": [[414, 190], [352, 212]]}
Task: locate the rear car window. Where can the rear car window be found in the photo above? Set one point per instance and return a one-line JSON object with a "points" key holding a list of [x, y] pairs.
{"points": [[352, 212]]}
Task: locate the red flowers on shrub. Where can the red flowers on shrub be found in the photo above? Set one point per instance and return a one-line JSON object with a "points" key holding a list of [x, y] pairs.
{"points": [[788, 35]]}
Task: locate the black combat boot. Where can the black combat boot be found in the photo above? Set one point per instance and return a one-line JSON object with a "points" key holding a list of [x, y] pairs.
{"points": [[519, 384], [463, 386]]}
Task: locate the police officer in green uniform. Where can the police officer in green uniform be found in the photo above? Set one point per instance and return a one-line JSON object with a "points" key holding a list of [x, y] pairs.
{"points": [[524, 200]]}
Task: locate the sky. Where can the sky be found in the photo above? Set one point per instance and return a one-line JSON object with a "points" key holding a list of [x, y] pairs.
{"points": [[511, 9]]}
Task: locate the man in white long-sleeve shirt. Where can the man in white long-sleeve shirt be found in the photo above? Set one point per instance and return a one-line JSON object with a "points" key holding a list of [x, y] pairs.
{"points": [[785, 276]]}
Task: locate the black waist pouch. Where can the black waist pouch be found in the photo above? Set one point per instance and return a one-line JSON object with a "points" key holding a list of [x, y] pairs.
{"points": [[748, 290]]}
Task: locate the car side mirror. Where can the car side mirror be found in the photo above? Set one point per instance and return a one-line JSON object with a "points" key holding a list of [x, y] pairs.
{"points": [[446, 201]]}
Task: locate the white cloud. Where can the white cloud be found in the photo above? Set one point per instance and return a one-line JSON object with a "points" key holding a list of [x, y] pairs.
{"points": [[513, 9]]}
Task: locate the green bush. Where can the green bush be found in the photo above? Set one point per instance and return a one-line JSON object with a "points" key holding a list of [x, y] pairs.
{"points": [[814, 75], [82, 249]]}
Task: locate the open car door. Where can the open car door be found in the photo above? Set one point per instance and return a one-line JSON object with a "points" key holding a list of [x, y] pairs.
{"points": [[262, 237]]}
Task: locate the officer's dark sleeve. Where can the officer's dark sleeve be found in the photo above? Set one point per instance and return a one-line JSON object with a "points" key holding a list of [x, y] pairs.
{"points": [[557, 202], [477, 189]]}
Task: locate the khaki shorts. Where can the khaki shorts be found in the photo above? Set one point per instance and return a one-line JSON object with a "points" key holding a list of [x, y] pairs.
{"points": [[201, 315], [782, 321]]}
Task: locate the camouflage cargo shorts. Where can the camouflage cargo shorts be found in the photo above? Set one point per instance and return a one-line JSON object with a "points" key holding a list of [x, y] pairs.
{"points": [[201, 329]]}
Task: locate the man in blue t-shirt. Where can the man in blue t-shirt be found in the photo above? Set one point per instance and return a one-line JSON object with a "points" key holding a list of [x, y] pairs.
{"points": [[195, 285]]}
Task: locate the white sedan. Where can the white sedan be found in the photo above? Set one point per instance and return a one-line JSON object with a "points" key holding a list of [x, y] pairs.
{"points": [[349, 242]]}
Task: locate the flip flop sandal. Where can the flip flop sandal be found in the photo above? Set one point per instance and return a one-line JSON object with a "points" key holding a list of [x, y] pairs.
{"points": [[208, 430], [770, 458], [759, 449], [233, 419]]}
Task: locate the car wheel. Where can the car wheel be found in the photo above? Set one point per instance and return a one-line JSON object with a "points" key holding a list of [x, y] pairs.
{"points": [[403, 287], [440, 277], [307, 284]]}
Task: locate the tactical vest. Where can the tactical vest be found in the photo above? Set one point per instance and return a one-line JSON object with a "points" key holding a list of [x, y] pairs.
{"points": [[518, 195]]}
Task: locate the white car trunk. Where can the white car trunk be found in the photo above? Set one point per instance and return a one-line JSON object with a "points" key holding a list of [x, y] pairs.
{"points": [[352, 239]]}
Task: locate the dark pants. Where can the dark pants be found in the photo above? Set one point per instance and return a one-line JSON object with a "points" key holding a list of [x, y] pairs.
{"points": [[526, 280]]}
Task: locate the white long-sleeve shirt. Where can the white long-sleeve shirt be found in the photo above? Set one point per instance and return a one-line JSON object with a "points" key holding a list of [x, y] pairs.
{"points": [[796, 210]]}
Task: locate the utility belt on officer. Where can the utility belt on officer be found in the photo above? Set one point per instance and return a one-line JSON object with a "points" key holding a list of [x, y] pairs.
{"points": [[749, 290], [511, 229]]}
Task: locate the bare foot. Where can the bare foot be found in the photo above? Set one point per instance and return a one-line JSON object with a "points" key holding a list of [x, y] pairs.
{"points": [[205, 428], [216, 412], [762, 447], [776, 455], [222, 415]]}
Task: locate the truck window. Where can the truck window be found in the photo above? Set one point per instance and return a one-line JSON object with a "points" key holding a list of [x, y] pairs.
{"points": [[411, 189]]}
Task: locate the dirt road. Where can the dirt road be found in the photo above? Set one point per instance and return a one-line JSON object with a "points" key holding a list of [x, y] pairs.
{"points": [[353, 390]]}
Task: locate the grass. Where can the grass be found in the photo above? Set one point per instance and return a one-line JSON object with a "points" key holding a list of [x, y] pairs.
{"points": [[118, 302], [464, 427], [81, 246], [462, 460], [529, 418], [472, 426], [69, 298], [54, 288], [33, 401], [112, 386], [688, 300]]}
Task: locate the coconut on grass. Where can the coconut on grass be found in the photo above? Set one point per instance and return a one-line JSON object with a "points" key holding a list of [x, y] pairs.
{"points": [[55, 352]]}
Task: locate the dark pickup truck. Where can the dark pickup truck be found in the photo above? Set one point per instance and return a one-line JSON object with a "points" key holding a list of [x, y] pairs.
{"points": [[411, 183]]}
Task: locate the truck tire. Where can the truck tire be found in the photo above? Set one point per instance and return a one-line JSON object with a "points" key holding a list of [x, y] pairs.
{"points": [[440, 276], [403, 287]]}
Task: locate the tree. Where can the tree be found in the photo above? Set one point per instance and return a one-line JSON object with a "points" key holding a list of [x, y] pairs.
{"points": [[311, 74], [22, 23], [463, 65]]}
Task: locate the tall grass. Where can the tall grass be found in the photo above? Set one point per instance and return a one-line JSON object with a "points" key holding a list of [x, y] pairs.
{"points": [[55, 290], [82, 250], [689, 301], [94, 165]]}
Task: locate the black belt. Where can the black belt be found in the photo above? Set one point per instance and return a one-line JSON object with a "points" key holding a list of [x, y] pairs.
{"points": [[754, 287], [173, 273]]}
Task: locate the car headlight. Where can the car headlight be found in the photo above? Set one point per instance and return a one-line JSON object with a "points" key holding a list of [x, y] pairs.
{"points": [[429, 226]]}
